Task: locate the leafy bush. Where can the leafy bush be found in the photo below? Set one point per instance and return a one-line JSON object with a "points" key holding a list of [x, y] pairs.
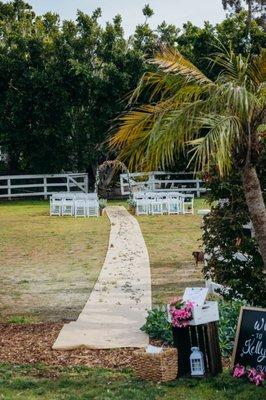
{"points": [[229, 312], [234, 258], [157, 325]]}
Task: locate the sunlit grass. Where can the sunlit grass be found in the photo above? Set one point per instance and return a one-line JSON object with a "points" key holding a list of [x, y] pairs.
{"points": [[49, 264], [81, 383]]}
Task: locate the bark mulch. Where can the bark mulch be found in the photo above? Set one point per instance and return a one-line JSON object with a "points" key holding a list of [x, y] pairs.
{"points": [[31, 344]]}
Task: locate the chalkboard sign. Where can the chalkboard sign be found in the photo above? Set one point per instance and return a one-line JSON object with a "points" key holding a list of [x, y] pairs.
{"points": [[250, 341]]}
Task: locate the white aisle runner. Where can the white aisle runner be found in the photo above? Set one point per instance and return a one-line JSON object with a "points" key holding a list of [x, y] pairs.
{"points": [[118, 304]]}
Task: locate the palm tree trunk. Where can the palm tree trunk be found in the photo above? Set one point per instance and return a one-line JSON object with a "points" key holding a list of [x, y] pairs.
{"points": [[256, 206]]}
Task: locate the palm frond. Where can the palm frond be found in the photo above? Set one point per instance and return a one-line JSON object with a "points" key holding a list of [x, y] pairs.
{"points": [[170, 133], [155, 85], [170, 60], [257, 68], [190, 112], [223, 132]]}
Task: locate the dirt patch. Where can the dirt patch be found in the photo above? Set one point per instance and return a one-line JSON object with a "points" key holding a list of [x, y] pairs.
{"points": [[31, 344]]}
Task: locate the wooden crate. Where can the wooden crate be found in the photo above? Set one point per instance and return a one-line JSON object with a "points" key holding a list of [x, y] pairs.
{"points": [[205, 337], [159, 367]]}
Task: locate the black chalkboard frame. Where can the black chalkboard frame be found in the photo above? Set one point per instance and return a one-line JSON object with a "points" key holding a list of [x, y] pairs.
{"points": [[239, 326]]}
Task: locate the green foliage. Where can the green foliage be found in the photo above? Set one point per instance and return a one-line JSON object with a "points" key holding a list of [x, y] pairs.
{"points": [[229, 313], [234, 258], [236, 389], [18, 319], [102, 203], [157, 325], [60, 86], [147, 11], [61, 82]]}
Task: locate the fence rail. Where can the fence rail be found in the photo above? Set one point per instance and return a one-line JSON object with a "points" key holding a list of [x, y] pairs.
{"points": [[41, 185], [156, 181]]}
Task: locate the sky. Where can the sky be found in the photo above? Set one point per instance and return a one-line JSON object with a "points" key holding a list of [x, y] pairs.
{"points": [[172, 11]]}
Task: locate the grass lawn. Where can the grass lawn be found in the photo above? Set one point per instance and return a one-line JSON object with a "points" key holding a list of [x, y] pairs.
{"points": [[49, 264], [81, 383], [171, 240]]}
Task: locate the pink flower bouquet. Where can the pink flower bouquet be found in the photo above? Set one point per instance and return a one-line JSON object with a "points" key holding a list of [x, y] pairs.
{"points": [[180, 312], [254, 376]]}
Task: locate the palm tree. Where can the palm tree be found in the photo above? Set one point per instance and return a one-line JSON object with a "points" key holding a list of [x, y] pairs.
{"points": [[217, 122]]}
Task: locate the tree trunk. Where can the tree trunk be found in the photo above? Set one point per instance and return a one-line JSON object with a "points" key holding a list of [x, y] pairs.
{"points": [[256, 206]]}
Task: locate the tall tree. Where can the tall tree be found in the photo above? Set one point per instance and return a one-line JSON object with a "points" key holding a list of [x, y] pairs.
{"points": [[147, 12], [219, 121], [60, 83], [256, 8]]}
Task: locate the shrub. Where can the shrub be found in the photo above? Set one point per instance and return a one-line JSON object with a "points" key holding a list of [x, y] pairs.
{"points": [[229, 312], [157, 325], [234, 258]]}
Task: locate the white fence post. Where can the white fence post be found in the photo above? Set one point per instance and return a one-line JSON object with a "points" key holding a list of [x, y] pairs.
{"points": [[68, 186], [86, 183], [9, 188], [198, 187], [45, 187], [121, 184]]}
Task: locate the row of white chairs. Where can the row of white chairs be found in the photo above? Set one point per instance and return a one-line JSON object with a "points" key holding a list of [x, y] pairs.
{"points": [[74, 196], [158, 203], [74, 204]]}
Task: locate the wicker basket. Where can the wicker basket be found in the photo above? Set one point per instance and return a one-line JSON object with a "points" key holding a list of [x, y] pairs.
{"points": [[160, 367]]}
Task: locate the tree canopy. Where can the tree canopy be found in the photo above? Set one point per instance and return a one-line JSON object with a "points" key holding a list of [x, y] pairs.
{"points": [[62, 82]]}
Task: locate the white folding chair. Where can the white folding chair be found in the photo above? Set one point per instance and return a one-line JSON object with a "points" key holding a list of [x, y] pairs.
{"points": [[92, 208], [142, 205], [68, 206], [164, 199], [175, 203], [80, 208], [155, 204], [55, 206]]}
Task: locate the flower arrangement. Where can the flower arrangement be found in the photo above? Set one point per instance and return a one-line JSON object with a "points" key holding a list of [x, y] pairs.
{"points": [[254, 376], [180, 312]]}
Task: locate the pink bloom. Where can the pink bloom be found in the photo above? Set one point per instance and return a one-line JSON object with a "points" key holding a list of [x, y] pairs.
{"points": [[239, 371], [252, 373], [255, 376], [181, 312]]}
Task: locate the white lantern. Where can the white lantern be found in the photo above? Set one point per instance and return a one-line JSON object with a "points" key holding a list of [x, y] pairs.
{"points": [[196, 362]]}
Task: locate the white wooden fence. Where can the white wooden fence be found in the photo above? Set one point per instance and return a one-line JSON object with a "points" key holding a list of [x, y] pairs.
{"points": [[41, 185], [141, 181]]}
